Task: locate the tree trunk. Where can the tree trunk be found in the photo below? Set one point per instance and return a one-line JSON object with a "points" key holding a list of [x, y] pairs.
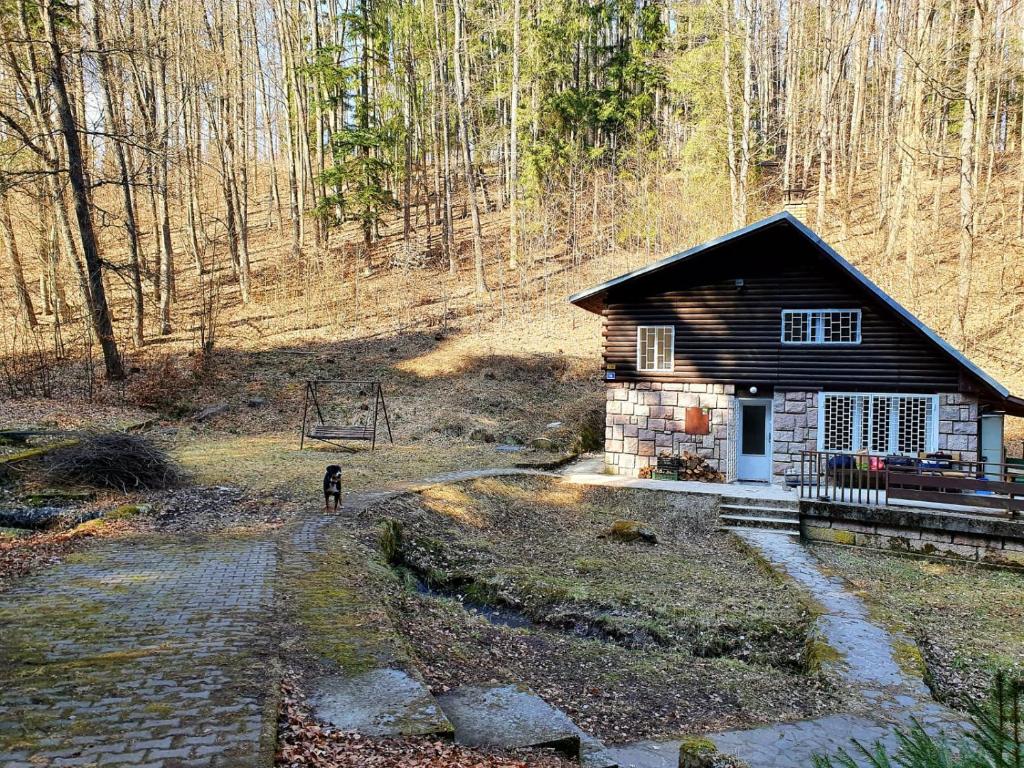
{"points": [[513, 142], [461, 89], [26, 311], [967, 171], [69, 129]]}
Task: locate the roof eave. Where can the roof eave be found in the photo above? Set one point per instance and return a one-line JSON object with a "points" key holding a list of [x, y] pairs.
{"points": [[948, 348], [594, 297]]}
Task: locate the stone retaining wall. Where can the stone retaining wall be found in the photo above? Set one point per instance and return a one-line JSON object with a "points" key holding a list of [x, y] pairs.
{"points": [[644, 418], [995, 540]]}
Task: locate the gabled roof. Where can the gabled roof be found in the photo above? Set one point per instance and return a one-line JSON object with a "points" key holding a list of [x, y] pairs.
{"points": [[593, 299]]}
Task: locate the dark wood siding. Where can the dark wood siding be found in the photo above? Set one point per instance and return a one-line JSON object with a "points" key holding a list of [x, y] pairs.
{"points": [[727, 335]]}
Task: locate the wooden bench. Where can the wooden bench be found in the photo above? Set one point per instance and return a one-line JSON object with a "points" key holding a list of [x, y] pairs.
{"points": [[331, 432], [1014, 470]]}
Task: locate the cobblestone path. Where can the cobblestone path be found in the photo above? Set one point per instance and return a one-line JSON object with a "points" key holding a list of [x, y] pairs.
{"points": [[140, 654], [890, 695], [146, 654]]}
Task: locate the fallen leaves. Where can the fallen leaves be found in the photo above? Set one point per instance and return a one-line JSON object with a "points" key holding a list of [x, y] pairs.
{"points": [[20, 556], [305, 743]]}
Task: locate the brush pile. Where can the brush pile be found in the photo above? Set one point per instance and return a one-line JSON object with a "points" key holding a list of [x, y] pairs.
{"points": [[115, 460]]}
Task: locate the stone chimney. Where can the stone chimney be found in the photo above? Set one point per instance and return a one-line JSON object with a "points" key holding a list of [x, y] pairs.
{"points": [[795, 201]]}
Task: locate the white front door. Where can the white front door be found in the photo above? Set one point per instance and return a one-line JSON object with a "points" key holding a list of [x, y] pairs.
{"points": [[754, 433]]}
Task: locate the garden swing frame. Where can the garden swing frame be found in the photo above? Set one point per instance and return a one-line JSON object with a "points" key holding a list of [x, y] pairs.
{"points": [[333, 434]]}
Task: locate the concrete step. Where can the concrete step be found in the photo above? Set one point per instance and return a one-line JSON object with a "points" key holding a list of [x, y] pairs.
{"points": [[758, 510], [795, 535], [381, 702], [513, 717], [743, 501], [755, 521]]}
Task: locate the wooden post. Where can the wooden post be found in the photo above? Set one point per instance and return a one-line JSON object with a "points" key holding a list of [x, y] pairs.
{"points": [[305, 408], [376, 405], [384, 407]]}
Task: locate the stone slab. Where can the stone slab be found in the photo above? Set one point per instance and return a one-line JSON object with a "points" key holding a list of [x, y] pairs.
{"points": [[594, 754], [381, 702], [508, 716], [646, 754]]}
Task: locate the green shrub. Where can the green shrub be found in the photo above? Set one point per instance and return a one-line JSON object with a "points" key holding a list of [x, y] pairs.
{"points": [[390, 540]]}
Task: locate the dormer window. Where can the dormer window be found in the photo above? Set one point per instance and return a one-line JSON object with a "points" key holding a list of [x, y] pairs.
{"points": [[654, 345], [821, 326]]}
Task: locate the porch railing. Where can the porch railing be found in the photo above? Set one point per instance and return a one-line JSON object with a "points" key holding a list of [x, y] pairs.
{"points": [[838, 476], [860, 479]]}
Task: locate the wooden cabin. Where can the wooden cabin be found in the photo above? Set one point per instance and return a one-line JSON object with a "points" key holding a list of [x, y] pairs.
{"points": [[765, 343]]}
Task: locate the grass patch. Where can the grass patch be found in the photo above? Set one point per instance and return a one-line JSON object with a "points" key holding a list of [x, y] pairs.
{"points": [[273, 463], [967, 620], [535, 544]]}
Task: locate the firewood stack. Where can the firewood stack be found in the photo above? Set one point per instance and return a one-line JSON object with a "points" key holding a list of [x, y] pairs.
{"points": [[688, 466]]}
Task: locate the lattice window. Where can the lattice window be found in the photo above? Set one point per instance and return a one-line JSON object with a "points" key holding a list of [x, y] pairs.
{"points": [[915, 417], [878, 429], [837, 433], [821, 326], [879, 424], [654, 345], [796, 327]]}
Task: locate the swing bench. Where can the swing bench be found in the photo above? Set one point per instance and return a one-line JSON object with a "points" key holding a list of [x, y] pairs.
{"points": [[335, 434]]}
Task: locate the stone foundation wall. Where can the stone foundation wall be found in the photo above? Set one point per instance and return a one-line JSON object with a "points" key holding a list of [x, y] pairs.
{"points": [[958, 425], [916, 531], [643, 419], [794, 429], [646, 418]]}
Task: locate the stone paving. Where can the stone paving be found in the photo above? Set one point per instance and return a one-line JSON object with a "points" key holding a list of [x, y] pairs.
{"points": [[890, 694], [141, 654]]}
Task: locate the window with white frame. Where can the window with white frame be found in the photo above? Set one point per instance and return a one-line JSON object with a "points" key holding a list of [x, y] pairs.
{"points": [[821, 326], [880, 424], [654, 347]]}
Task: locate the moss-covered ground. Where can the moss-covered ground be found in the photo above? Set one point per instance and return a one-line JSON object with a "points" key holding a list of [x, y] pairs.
{"points": [[538, 544], [967, 620], [335, 603], [633, 640]]}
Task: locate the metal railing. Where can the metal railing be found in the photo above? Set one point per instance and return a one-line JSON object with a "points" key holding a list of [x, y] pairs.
{"points": [[986, 486], [838, 476]]}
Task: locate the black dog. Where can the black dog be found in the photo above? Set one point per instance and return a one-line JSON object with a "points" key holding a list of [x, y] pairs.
{"points": [[332, 486]]}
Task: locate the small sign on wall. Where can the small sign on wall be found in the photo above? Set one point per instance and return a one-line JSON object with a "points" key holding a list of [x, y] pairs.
{"points": [[697, 421], [609, 375]]}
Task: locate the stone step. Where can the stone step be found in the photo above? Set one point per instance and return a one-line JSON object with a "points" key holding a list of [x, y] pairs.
{"points": [[754, 521], [513, 717], [758, 510], [381, 702]]}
